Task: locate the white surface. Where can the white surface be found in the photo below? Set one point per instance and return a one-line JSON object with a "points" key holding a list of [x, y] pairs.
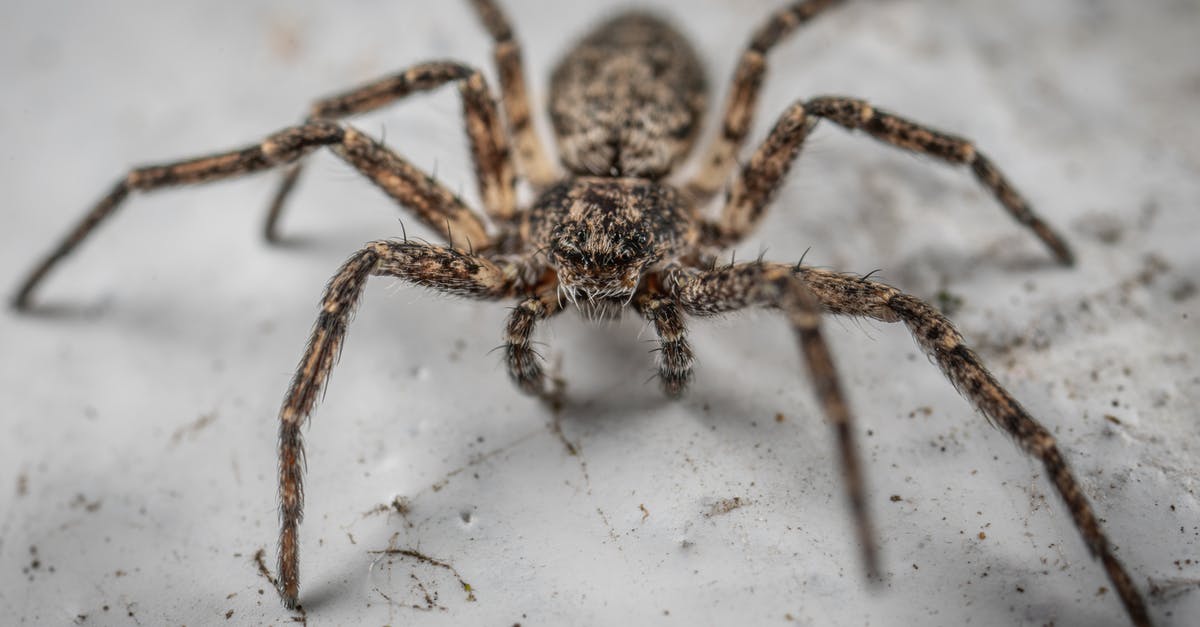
{"points": [[137, 434]]}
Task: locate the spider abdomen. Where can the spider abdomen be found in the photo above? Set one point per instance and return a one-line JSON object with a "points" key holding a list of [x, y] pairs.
{"points": [[628, 99]]}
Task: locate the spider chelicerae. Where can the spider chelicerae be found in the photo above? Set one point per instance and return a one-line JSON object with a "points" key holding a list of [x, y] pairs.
{"points": [[611, 229]]}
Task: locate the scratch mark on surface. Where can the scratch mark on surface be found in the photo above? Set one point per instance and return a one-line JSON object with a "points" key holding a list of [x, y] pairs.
{"points": [[192, 428]]}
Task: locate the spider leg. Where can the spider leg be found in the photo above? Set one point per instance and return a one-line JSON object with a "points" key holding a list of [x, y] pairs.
{"points": [[855, 296], [435, 205], [763, 175], [524, 364], [539, 170], [674, 352], [734, 287], [718, 163], [485, 133], [444, 269]]}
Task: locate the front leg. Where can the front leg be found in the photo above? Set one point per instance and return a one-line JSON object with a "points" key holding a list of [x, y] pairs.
{"points": [[446, 270], [523, 362], [735, 287], [674, 352], [485, 132]]}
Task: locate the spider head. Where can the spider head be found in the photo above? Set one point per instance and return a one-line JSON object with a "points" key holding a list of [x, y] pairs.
{"points": [[601, 235], [601, 260]]}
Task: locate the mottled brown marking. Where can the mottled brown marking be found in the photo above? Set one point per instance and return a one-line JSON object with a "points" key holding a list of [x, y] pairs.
{"points": [[628, 99]]}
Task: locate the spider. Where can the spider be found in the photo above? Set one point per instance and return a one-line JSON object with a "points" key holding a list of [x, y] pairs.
{"points": [[612, 229]]}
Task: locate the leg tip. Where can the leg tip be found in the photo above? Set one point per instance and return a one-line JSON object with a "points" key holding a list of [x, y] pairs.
{"points": [[1061, 251], [289, 600], [20, 302]]}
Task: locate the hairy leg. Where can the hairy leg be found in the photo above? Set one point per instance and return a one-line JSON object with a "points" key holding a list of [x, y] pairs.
{"points": [[722, 290], [485, 132], [718, 163], [435, 205], [751, 192], [443, 269], [854, 296], [523, 362], [674, 352], [531, 153]]}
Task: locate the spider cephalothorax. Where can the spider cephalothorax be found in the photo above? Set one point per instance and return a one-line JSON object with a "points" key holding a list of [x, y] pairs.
{"points": [[601, 234], [614, 232]]}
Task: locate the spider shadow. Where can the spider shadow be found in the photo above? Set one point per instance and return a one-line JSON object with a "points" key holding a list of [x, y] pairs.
{"points": [[340, 241], [932, 268], [63, 311], [595, 401], [328, 593]]}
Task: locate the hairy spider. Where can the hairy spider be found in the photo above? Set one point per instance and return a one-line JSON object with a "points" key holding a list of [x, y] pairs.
{"points": [[612, 231]]}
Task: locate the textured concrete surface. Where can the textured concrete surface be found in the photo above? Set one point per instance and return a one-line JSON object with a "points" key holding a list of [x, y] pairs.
{"points": [[137, 423]]}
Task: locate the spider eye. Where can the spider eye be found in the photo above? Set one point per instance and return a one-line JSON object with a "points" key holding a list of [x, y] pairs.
{"points": [[567, 252], [634, 246]]}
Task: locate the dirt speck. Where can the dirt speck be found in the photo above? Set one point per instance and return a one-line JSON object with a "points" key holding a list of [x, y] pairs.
{"points": [[895, 498], [285, 36], [724, 506], [260, 561], [456, 352], [22, 484], [81, 501]]}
